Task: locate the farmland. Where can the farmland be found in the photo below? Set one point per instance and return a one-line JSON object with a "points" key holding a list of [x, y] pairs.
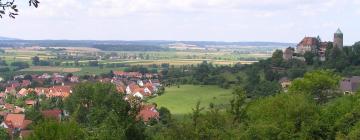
{"points": [[77, 60], [51, 69], [180, 101]]}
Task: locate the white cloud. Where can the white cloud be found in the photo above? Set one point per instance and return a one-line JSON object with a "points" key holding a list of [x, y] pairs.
{"points": [[180, 19]]}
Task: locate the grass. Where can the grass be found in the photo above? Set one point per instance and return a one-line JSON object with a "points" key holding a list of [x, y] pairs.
{"points": [[180, 101], [50, 69], [96, 70]]}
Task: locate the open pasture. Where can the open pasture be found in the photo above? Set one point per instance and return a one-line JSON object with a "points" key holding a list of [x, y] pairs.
{"points": [[180, 101]]}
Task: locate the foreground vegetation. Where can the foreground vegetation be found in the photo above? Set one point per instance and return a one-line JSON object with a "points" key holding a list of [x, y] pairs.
{"points": [[297, 114]]}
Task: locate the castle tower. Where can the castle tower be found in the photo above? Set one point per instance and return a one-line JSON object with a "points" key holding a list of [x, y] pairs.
{"points": [[338, 39]]}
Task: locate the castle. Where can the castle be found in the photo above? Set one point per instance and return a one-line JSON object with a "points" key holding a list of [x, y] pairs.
{"points": [[314, 45]]}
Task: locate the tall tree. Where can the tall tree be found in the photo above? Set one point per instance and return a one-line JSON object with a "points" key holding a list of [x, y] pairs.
{"points": [[103, 111], [277, 58], [321, 84]]}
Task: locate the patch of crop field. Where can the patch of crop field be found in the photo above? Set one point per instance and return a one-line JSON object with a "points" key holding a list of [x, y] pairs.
{"points": [[97, 70], [180, 101], [52, 69], [187, 62]]}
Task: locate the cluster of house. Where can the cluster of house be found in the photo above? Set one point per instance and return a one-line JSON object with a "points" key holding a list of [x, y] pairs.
{"points": [[313, 45], [15, 122], [136, 84], [132, 84], [348, 85]]}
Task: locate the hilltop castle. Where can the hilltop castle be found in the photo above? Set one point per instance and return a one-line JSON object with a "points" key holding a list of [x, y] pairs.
{"points": [[314, 45]]}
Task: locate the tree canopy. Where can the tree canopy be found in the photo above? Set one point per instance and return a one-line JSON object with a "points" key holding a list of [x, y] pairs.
{"points": [[10, 8]]}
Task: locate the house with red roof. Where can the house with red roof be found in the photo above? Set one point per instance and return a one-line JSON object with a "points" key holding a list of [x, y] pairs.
{"points": [[52, 114], [23, 92], [131, 88], [148, 112], [11, 90], [121, 88], [308, 44], [15, 122], [74, 79], [25, 83], [59, 91], [120, 73]]}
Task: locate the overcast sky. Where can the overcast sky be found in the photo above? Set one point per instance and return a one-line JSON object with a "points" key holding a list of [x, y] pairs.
{"points": [[209, 20]]}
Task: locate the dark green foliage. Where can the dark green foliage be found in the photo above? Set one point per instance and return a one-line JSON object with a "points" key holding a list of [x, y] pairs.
{"points": [[277, 58], [237, 104], [53, 130], [321, 84], [309, 58], [3, 134], [266, 88], [93, 63], [4, 69], [336, 59], [103, 112], [20, 65], [36, 60], [165, 116], [284, 116]]}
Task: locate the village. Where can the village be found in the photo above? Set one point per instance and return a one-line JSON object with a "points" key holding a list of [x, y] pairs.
{"points": [[25, 93]]}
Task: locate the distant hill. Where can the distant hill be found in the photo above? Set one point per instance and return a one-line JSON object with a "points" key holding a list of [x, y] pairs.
{"points": [[143, 45], [7, 38]]}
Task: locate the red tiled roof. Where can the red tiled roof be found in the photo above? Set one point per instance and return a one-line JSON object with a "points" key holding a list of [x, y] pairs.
{"points": [[120, 89], [9, 106], [9, 89], [148, 112], [15, 120], [55, 114], [23, 92], [309, 41], [25, 83], [120, 73]]}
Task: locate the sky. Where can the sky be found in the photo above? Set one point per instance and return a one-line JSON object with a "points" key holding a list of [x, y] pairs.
{"points": [[205, 20]]}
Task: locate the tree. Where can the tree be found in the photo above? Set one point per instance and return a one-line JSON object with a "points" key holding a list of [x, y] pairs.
{"points": [[309, 58], [321, 84], [283, 116], [266, 88], [93, 63], [238, 104], [35, 60], [11, 7], [28, 77], [165, 115], [53, 130], [4, 134], [100, 108], [277, 58]]}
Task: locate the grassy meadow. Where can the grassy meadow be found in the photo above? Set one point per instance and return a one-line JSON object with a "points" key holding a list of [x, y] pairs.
{"points": [[180, 101]]}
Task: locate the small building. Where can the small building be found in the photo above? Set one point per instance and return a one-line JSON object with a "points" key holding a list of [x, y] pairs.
{"points": [[285, 83], [148, 112], [15, 122], [288, 53], [350, 85], [52, 114]]}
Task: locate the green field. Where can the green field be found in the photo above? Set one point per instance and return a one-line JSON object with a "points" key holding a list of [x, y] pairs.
{"points": [[180, 101]]}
